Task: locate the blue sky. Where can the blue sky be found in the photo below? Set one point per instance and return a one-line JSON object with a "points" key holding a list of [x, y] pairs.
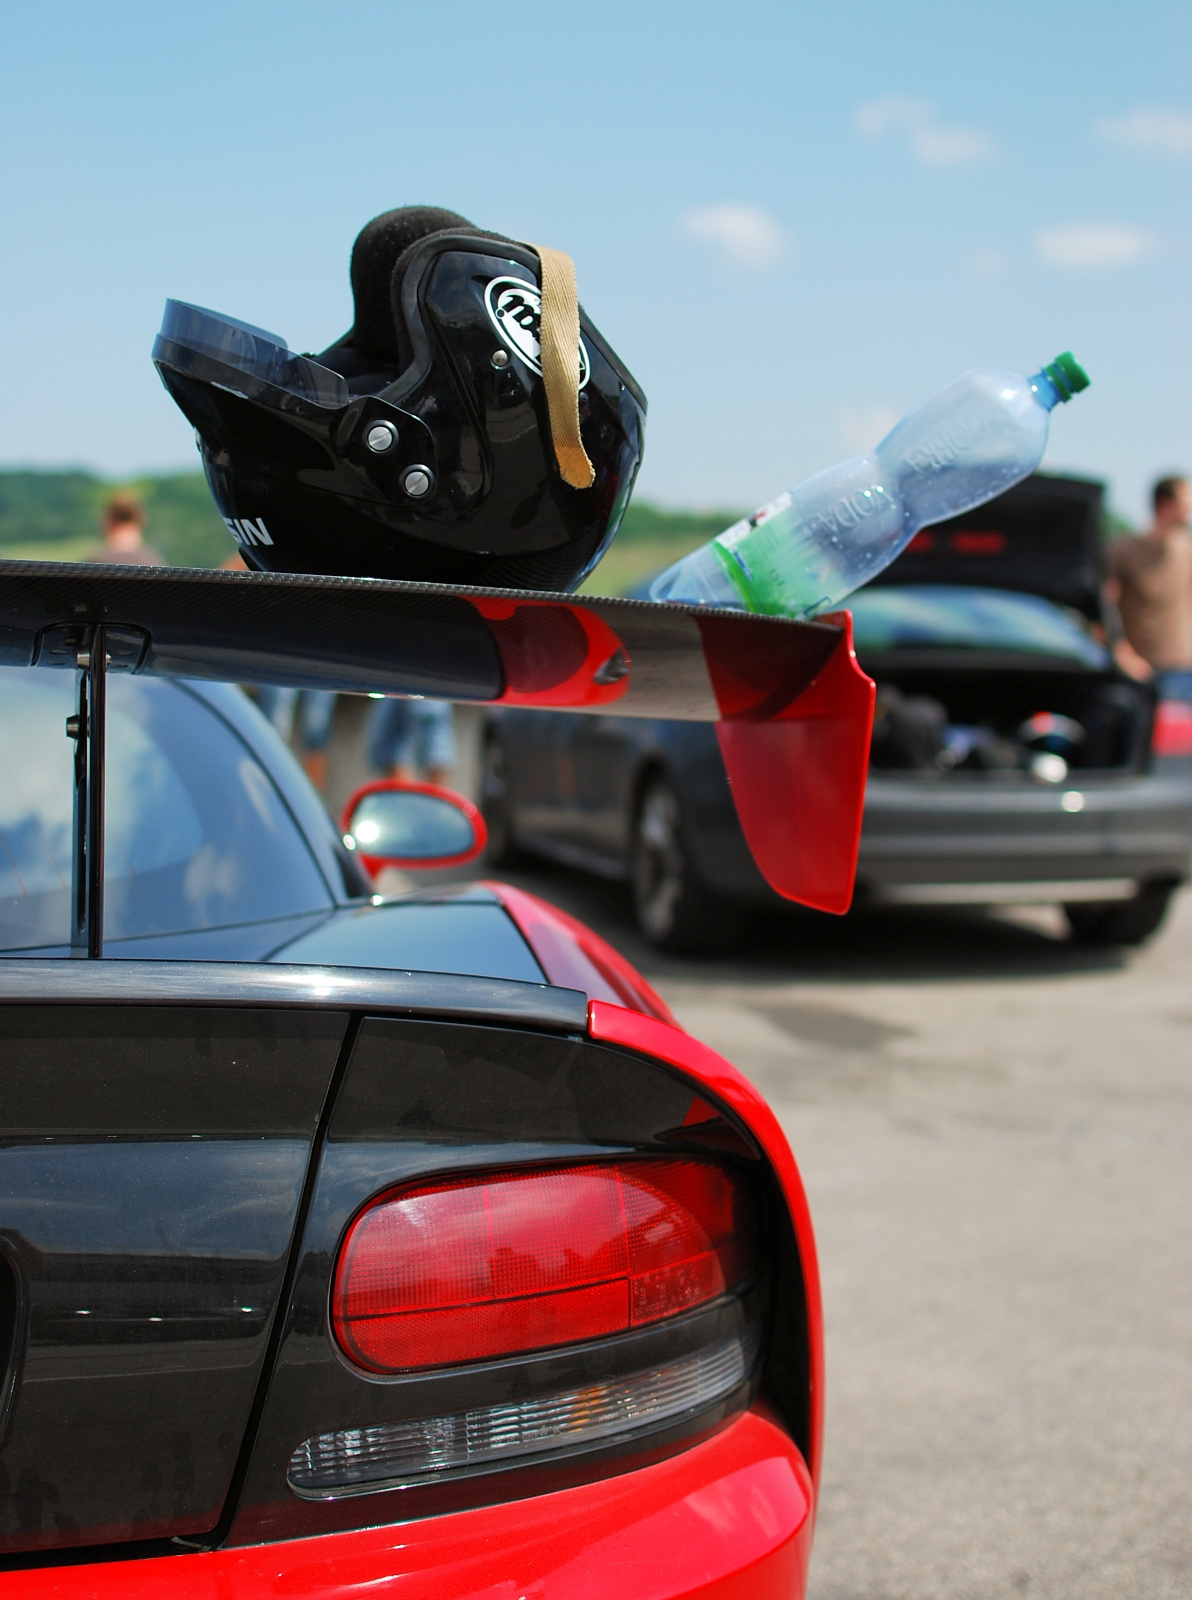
{"points": [[792, 221]]}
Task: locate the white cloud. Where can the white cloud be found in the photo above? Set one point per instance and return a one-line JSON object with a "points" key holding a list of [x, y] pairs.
{"points": [[1150, 130], [746, 235], [861, 430], [1094, 244], [930, 142]]}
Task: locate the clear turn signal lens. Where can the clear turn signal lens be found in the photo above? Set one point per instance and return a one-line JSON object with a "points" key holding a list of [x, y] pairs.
{"points": [[364, 1460]]}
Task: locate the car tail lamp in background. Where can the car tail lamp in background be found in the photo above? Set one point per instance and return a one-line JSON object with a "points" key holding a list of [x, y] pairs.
{"points": [[1173, 728], [476, 1267], [627, 1266]]}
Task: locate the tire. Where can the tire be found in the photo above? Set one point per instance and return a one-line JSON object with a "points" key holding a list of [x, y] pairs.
{"points": [[1121, 921], [674, 909], [502, 850]]}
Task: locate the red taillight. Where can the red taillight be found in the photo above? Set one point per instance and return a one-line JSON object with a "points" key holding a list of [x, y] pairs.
{"points": [[1173, 728], [490, 1264], [978, 542]]}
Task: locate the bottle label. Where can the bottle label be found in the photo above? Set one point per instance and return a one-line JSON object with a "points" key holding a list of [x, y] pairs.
{"points": [[786, 564], [735, 547]]}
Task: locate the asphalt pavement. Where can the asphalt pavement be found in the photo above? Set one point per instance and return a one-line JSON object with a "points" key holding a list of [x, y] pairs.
{"points": [[993, 1126]]}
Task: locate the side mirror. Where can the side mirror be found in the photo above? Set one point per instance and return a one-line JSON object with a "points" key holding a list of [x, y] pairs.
{"points": [[396, 824]]}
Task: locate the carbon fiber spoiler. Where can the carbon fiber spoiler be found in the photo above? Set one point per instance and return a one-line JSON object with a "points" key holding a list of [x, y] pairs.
{"points": [[793, 710]]}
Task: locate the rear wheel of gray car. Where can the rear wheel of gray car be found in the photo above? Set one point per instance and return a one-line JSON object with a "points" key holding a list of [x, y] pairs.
{"points": [[496, 807], [674, 909], [1121, 921]]}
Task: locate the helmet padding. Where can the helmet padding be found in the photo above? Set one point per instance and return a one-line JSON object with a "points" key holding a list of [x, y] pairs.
{"points": [[379, 246]]}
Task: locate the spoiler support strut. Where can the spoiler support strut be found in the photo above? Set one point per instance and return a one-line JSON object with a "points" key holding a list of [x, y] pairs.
{"points": [[88, 728]]}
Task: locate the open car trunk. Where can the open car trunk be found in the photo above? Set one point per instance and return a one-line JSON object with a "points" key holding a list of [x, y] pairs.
{"points": [[959, 716], [1042, 537], [979, 639]]}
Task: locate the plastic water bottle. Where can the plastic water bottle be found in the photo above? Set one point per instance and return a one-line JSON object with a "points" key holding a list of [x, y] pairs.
{"points": [[804, 552]]}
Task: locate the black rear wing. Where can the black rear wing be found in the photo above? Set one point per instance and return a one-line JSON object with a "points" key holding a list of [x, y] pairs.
{"points": [[792, 708]]}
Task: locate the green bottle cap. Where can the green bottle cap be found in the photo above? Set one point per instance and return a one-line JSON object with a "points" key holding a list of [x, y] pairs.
{"points": [[1067, 374]]}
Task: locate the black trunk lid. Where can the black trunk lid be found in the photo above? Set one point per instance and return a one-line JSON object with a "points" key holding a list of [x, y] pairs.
{"points": [[1042, 537], [152, 1162]]}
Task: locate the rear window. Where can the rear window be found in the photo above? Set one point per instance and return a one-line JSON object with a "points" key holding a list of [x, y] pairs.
{"points": [[197, 835], [937, 616]]}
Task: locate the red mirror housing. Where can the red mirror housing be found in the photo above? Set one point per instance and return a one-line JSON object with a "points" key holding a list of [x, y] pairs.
{"points": [[459, 833]]}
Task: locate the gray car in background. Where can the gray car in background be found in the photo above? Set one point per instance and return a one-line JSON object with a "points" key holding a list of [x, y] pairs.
{"points": [[1012, 761]]}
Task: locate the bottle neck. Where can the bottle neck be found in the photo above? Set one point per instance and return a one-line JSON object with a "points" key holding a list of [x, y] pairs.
{"points": [[1045, 391]]}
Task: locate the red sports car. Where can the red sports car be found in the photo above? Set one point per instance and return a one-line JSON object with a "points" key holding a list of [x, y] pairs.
{"points": [[352, 1246]]}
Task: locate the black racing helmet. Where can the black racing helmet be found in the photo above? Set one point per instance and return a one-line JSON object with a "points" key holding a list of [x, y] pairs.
{"points": [[426, 443]]}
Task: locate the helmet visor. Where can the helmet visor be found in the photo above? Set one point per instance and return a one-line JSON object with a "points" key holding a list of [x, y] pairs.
{"points": [[261, 359]]}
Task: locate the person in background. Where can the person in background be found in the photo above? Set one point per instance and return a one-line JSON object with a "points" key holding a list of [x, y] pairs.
{"points": [[312, 709], [316, 711], [407, 733], [124, 534], [1150, 582]]}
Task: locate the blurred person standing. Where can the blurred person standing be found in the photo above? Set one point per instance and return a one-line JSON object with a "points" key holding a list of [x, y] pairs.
{"points": [[1150, 581], [407, 733], [123, 524], [316, 711], [312, 709]]}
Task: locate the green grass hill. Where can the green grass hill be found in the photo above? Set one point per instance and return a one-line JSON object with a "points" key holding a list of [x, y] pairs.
{"points": [[650, 538], [54, 516]]}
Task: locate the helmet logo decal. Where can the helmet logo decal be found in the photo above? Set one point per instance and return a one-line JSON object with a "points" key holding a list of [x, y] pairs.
{"points": [[515, 310], [247, 532]]}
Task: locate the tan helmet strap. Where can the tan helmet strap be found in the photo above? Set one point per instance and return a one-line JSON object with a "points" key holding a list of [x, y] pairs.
{"points": [[559, 338]]}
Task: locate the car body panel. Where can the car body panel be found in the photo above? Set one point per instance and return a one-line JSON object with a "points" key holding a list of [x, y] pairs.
{"points": [[1093, 826], [422, 1096], [442, 931], [591, 829], [752, 1469], [151, 1164], [544, 1006], [448, 933], [156, 1133], [662, 1042], [572, 955], [729, 1519]]}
